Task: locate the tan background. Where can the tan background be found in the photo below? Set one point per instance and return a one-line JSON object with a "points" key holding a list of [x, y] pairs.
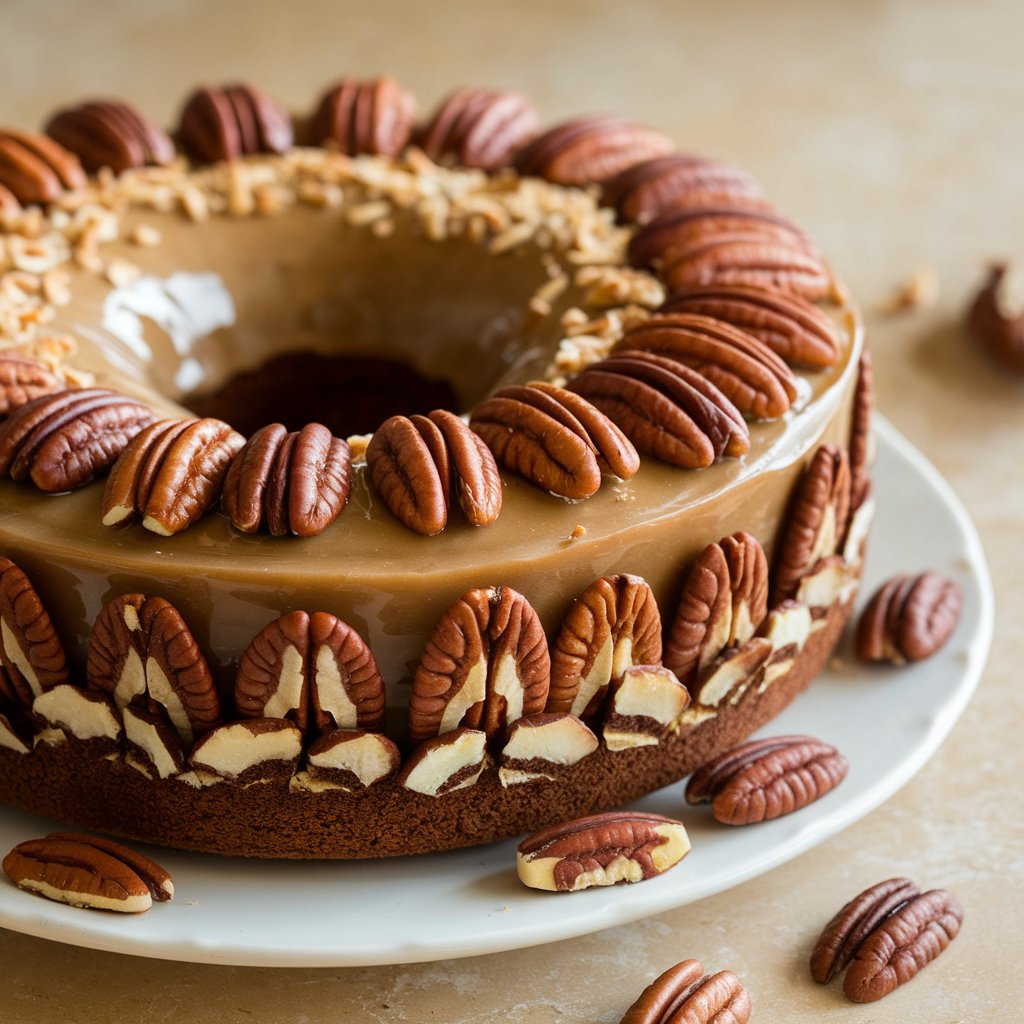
{"points": [[893, 131]]}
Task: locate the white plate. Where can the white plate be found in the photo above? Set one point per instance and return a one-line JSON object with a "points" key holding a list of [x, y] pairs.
{"points": [[282, 913]]}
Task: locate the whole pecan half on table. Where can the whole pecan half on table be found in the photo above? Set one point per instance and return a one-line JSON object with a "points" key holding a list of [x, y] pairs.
{"points": [[684, 994]]}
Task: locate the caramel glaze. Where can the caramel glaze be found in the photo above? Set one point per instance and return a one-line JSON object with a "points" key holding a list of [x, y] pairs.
{"points": [[300, 282]]}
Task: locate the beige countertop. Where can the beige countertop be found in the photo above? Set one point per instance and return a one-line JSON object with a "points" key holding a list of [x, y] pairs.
{"points": [[893, 132]]}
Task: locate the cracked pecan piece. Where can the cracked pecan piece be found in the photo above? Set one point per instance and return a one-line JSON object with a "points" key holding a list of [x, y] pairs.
{"points": [[22, 380], [815, 521], [142, 653], [110, 133], [224, 123], [64, 440], [485, 665], [793, 328], [373, 116], [908, 618], [32, 657], [996, 316], [479, 128], [416, 462], [170, 474], [684, 994], [644, 707], [723, 603], [665, 408], [295, 483], [602, 849], [36, 170], [766, 779], [314, 670], [613, 625], [590, 150], [757, 381]]}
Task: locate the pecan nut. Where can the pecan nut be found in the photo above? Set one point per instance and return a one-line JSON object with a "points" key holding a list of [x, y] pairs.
{"points": [[860, 432], [170, 474], [152, 746], [156, 878], [110, 134], [373, 117], [602, 849], [64, 440], [724, 602], [540, 746], [294, 483], [32, 659], [35, 169], [485, 665], [22, 380], [352, 758], [232, 121], [645, 707], [481, 128], [908, 618], [611, 626], [256, 750], [684, 994], [454, 760], [766, 779], [996, 317]]}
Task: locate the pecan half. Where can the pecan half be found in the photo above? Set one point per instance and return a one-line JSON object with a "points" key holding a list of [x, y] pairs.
{"points": [[313, 670], [815, 521], [642, 191], [733, 673], [684, 994], [860, 432], [796, 330], [35, 169], [75, 870], [64, 440], [454, 760], [485, 665], [602, 849], [110, 134], [142, 653], [665, 408], [170, 474], [352, 758], [908, 618], [612, 625], [152, 746], [908, 940], [765, 779], [294, 483], [22, 380], [996, 316], [540, 746], [373, 116], [32, 658], [156, 878], [743, 368], [232, 121], [256, 750], [723, 603], [843, 935], [481, 128], [644, 707]]}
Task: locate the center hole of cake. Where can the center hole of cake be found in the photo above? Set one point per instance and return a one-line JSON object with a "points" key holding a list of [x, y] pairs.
{"points": [[347, 394]]}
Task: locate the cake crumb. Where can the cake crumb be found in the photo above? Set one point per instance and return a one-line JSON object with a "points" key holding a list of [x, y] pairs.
{"points": [[919, 291]]}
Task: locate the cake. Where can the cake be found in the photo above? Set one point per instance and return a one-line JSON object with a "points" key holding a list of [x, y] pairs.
{"points": [[462, 476]]}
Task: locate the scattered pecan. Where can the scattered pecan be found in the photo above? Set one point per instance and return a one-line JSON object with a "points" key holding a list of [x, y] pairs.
{"points": [[32, 658], [724, 602], [485, 665], [22, 380], [815, 520], [110, 134], [314, 670], [294, 483], [765, 779], [590, 150], [374, 116], [554, 438], [665, 408], [684, 994], [744, 369], [996, 316], [793, 328], [170, 474], [643, 191], [86, 872], [142, 653], [223, 123], [612, 625], [64, 440], [35, 169], [414, 461], [602, 849], [860, 432], [908, 618], [480, 128]]}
